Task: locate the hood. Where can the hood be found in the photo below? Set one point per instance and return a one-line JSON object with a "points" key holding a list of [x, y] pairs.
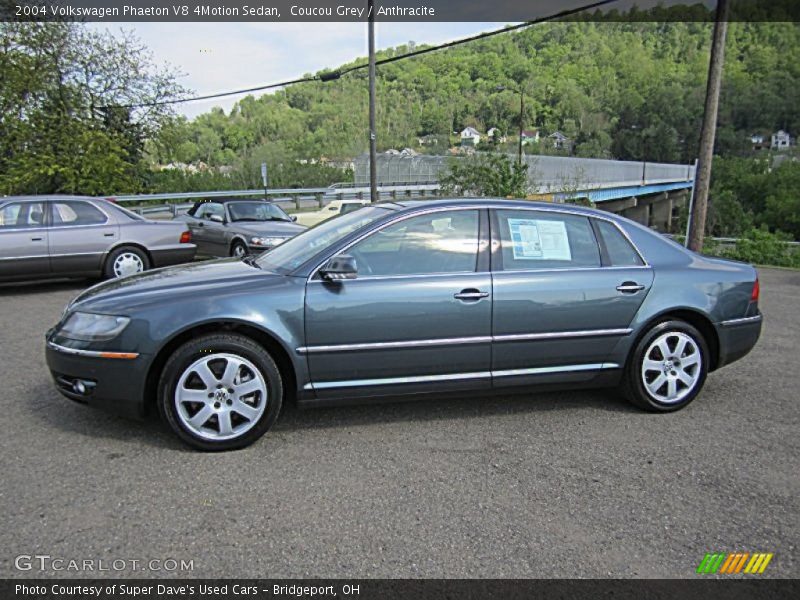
{"points": [[268, 228], [168, 284]]}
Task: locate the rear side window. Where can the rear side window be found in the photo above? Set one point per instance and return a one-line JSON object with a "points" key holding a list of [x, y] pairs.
{"points": [[540, 240], [620, 251], [76, 213]]}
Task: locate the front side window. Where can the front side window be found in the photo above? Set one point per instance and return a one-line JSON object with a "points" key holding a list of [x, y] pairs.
{"points": [[75, 213], [348, 208], [22, 215], [439, 242], [543, 240]]}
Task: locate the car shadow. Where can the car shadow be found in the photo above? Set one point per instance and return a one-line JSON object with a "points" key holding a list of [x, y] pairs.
{"points": [[86, 421], [433, 409], [44, 286]]}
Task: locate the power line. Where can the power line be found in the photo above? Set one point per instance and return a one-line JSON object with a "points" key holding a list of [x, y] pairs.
{"points": [[332, 75]]}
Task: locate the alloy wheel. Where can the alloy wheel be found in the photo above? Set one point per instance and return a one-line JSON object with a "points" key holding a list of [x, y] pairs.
{"points": [[672, 367]]}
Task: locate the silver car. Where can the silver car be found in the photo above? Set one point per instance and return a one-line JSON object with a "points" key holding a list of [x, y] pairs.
{"points": [[66, 236], [236, 227]]}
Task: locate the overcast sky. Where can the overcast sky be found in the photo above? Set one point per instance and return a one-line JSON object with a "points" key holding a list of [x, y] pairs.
{"points": [[217, 57]]}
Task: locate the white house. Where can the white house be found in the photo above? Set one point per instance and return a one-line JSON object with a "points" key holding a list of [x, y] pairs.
{"points": [[470, 137], [559, 140], [495, 135], [781, 140]]}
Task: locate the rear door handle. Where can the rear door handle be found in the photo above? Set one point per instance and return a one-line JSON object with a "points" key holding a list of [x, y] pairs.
{"points": [[470, 294], [630, 287], [36, 239]]}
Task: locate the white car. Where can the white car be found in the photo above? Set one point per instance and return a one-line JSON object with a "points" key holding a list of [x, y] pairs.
{"points": [[334, 209]]}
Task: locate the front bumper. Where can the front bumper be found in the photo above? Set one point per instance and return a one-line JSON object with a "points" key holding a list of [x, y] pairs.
{"points": [[113, 384], [737, 337]]}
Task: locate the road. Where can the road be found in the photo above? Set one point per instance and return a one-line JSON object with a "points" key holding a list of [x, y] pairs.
{"points": [[553, 485]]}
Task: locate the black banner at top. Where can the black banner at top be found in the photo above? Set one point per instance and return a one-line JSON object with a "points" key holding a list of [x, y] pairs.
{"points": [[390, 10]]}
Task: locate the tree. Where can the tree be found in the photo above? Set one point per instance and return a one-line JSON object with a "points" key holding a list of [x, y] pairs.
{"points": [[486, 174], [67, 122]]}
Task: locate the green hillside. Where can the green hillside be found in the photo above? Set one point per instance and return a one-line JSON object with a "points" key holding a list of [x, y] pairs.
{"points": [[618, 90]]}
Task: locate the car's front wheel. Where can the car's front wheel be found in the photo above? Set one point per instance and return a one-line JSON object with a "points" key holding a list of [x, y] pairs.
{"points": [[668, 367], [238, 249], [220, 392]]}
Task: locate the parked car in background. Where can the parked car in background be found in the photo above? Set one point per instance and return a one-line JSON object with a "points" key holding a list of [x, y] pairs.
{"points": [[236, 227], [66, 236], [409, 298], [334, 209]]}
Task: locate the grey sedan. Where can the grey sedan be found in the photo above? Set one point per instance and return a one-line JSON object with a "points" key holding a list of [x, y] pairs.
{"points": [[235, 227], [65, 236], [415, 300]]}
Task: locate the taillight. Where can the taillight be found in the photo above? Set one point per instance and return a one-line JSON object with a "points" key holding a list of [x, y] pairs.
{"points": [[756, 291], [186, 237]]}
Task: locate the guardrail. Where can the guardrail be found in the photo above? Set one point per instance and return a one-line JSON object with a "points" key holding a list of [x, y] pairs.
{"points": [[291, 198]]}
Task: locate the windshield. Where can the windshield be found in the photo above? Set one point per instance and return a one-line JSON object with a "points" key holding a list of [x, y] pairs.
{"points": [[299, 249], [256, 211]]}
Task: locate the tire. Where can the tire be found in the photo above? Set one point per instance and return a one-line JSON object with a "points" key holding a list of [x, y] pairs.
{"points": [[238, 249], [194, 392], [125, 260], [658, 383]]}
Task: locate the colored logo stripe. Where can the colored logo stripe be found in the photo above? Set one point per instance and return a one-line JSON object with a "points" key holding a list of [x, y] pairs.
{"points": [[729, 563]]}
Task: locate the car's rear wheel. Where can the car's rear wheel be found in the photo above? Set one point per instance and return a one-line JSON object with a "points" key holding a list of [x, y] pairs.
{"points": [[238, 249], [668, 367], [220, 392], [126, 260]]}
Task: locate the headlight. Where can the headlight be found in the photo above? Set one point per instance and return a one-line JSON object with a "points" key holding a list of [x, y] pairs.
{"points": [[89, 327], [266, 241]]}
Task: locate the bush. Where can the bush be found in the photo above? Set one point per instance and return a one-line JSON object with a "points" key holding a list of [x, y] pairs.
{"points": [[761, 247]]}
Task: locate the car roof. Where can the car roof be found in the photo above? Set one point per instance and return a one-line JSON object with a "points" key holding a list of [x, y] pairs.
{"points": [[234, 199], [495, 203], [47, 198]]}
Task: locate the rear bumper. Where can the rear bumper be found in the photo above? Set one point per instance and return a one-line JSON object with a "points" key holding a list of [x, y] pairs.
{"points": [[173, 256], [114, 385], [737, 337]]}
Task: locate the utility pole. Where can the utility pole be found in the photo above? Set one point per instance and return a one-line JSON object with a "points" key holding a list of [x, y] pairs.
{"points": [[521, 116], [703, 173], [373, 150]]}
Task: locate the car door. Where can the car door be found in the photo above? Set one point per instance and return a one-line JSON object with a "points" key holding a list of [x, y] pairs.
{"points": [[559, 304], [23, 239], [80, 235], [417, 318]]}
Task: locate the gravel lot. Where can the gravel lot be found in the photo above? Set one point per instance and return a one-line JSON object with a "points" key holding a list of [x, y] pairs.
{"points": [[553, 485]]}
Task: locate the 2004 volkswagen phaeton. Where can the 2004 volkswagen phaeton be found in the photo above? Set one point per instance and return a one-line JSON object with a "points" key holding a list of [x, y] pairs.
{"points": [[403, 299]]}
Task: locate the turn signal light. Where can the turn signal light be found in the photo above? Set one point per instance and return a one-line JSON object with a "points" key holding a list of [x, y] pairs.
{"points": [[756, 291], [186, 237]]}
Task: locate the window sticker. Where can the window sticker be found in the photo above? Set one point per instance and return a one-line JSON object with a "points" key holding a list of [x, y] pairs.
{"points": [[533, 239]]}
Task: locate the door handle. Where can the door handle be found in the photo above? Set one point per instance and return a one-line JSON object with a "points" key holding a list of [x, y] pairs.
{"points": [[470, 294], [36, 239], [630, 287], [108, 235]]}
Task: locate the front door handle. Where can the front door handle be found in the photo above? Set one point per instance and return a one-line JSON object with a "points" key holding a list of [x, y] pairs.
{"points": [[36, 239], [630, 287], [470, 294]]}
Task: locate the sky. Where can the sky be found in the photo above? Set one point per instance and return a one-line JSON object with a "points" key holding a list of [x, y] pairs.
{"points": [[217, 57]]}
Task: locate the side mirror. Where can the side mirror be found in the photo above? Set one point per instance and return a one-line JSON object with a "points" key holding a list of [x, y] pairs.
{"points": [[340, 267], [293, 218], [216, 219]]}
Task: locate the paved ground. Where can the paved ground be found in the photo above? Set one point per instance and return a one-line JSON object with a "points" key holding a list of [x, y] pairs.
{"points": [[567, 484]]}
